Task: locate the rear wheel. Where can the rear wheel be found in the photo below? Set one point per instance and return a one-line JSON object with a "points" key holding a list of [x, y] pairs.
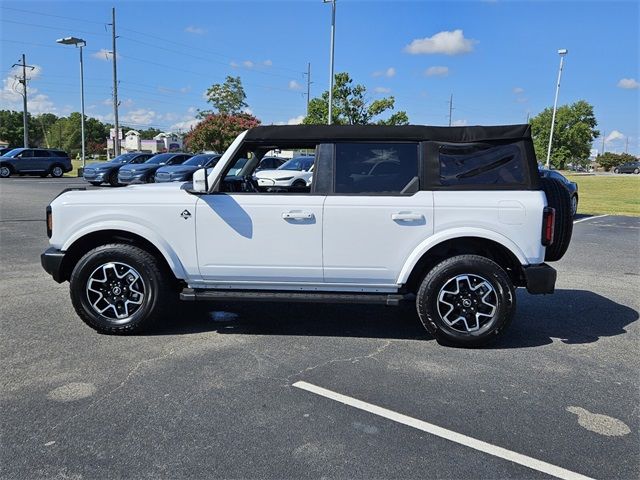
{"points": [[636, 171], [574, 205], [119, 289], [558, 198], [5, 172], [56, 171], [466, 300]]}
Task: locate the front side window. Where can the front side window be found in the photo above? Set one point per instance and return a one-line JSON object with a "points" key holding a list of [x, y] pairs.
{"points": [[376, 168], [481, 164]]}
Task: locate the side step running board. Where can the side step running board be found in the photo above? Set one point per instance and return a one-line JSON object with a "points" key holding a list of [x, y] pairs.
{"points": [[191, 294]]}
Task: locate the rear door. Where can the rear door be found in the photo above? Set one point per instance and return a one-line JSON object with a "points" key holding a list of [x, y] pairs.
{"points": [[377, 214], [41, 160]]}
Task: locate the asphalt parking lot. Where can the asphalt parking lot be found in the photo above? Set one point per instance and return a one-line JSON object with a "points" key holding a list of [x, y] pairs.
{"points": [[210, 394]]}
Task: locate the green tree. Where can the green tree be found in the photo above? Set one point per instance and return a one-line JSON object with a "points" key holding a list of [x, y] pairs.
{"points": [[352, 107], [66, 133], [149, 133], [217, 131], [573, 134], [11, 129], [43, 124], [609, 160], [226, 98]]}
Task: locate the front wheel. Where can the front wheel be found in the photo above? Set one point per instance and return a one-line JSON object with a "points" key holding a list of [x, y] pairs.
{"points": [[615, 170], [5, 172], [574, 205], [113, 179], [466, 300], [119, 289]]}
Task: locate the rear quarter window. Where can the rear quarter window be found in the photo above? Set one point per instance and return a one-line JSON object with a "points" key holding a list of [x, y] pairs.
{"points": [[481, 164]]}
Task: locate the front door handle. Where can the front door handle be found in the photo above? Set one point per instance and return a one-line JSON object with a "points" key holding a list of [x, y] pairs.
{"points": [[407, 217], [297, 215]]}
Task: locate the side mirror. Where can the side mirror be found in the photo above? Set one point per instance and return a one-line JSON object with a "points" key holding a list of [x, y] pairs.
{"points": [[200, 181]]}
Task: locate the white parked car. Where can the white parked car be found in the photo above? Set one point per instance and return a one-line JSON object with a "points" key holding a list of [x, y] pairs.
{"points": [[452, 219], [296, 172]]}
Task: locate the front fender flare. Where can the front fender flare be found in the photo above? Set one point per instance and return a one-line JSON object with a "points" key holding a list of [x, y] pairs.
{"points": [[453, 233], [141, 230]]}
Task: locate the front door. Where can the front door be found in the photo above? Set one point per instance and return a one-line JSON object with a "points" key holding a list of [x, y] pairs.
{"points": [[259, 240]]}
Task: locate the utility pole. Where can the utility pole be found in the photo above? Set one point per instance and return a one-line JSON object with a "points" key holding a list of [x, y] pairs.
{"points": [[603, 137], [450, 108], [528, 113], [331, 61], [25, 121], [116, 140], [562, 52], [308, 74], [626, 147]]}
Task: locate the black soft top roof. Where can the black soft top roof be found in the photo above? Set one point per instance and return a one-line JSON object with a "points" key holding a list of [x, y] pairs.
{"points": [[386, 132]]}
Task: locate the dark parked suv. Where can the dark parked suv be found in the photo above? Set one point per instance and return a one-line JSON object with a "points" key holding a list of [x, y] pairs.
{"points": [[34, 161], [629, 167], [97, 173]]}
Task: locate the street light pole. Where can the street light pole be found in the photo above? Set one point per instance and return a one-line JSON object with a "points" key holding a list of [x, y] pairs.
{"points": [[79, 43], [333, 36], [562, 52]]}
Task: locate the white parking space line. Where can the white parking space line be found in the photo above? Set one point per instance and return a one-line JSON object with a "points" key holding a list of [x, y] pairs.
{"points": [[590, 218], [450, 435]]}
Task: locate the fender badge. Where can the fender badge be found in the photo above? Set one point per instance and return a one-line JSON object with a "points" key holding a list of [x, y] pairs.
{"points": [[185, 214]]}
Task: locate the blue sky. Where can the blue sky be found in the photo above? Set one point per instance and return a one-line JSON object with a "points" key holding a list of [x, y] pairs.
{"points": [[497, 58]]}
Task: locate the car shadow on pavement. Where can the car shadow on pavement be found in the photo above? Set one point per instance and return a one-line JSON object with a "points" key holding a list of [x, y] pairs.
{"points": [[301, 319], [573, 316]]}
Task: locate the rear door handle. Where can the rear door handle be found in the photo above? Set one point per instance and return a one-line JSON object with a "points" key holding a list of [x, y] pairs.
{"points": [[407, 217], [297, 215]]}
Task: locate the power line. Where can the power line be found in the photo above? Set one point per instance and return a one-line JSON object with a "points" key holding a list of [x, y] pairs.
{"points": [[31, 12]]}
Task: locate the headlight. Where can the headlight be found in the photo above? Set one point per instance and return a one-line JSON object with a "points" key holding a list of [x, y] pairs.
{"points": [[284, 179]]}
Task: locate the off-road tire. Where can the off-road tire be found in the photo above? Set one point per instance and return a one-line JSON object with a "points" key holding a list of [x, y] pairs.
{"points": [[436, 279], [113, 179], [559, 198], [159, 294]]}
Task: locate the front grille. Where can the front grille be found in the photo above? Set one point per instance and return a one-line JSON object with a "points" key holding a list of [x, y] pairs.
{"points": [[90, 171], [125, 174], [163, 176]]}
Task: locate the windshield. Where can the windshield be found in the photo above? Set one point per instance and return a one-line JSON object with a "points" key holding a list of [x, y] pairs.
{"points": [[13, 153], [199, 160], [178, 159], [160, 158], [124, 158], [299, 164]]}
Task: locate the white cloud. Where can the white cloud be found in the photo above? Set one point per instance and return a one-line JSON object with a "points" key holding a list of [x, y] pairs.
{"points": [[447, 43], [518, 90], [293, 85], [248, 111], [437, 71], [184, 124], [296, 120], [12, 100], [104, 54], [248, 64], [614, 136], [141, 116], [292, 121], [234, 64], [195, 30], [267, 63], [382, 90], [628, 83], [389, 72], [459, 123]]}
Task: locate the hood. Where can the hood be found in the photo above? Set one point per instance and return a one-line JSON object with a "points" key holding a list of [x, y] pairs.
{"points": [[140, 167], [178, 169], [112, 196], [102, 165], [278, 173]]}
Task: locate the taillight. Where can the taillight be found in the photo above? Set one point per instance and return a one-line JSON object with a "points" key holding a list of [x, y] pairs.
{"points": [[49, 222], [548, 225]]}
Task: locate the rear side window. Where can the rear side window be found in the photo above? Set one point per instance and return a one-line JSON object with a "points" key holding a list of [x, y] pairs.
{"points": [[481, 164], [41, 153], [376, 168], [58, 153]]}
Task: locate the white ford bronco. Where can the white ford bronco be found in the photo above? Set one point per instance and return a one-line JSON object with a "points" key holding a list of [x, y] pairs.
{"points": [[451, 218]]}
